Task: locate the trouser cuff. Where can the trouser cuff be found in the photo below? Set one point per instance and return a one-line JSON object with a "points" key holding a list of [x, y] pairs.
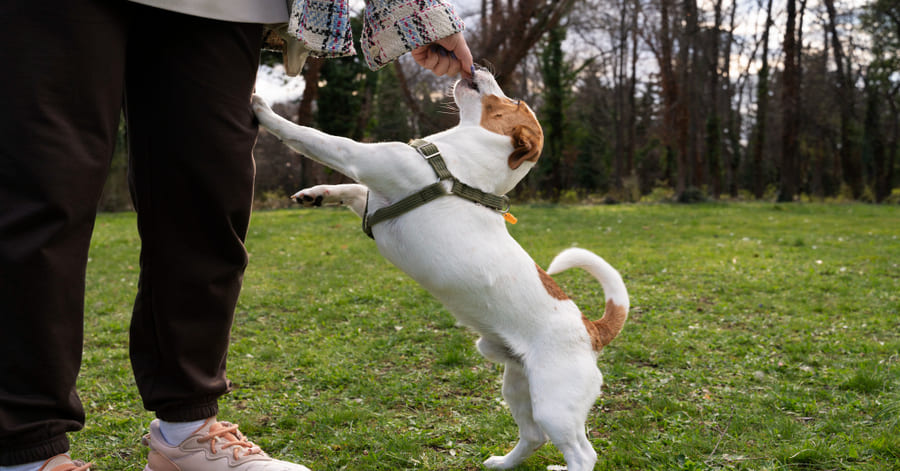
{"points": [[189, 413], [11, 454]]}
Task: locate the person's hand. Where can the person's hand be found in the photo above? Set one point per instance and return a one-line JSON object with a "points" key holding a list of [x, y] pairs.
{"points": [[448, 56]]}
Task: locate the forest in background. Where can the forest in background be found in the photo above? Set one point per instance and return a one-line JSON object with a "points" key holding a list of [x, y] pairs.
{"points": [[682, 100]]}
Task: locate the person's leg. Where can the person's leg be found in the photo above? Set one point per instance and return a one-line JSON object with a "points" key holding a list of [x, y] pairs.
{"points": [[61, 90], [191, 132]]}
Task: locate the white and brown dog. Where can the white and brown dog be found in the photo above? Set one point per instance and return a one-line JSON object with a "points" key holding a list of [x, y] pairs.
{"points": [[462, 253]]}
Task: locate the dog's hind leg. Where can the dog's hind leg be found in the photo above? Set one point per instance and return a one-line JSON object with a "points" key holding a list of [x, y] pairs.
{"points": [[350, 195], [563, 390], [517, 394]]}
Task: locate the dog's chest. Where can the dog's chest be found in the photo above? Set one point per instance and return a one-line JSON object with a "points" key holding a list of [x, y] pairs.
{"points": [[458, 251]]}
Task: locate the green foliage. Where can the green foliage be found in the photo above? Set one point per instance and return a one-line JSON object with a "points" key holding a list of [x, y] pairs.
{"points": [[761, 337], [894, 198], [659, 194], [116, 194], [692, 195], [393, 122], [346, 83], [559, 75]]}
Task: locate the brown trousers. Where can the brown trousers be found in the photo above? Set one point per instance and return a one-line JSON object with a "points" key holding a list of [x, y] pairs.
{"points": [[67, 70]]}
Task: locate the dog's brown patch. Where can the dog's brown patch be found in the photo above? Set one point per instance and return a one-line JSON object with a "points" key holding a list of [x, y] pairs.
{"points": [[604, 330], [514, 119], [552, 288], [594, 333]]}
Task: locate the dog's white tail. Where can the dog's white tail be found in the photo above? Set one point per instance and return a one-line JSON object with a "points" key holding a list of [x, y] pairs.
{"points": [[604, 330]]}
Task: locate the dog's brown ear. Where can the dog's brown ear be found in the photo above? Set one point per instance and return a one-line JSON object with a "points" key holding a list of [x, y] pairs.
{"points": [[527, 145]]}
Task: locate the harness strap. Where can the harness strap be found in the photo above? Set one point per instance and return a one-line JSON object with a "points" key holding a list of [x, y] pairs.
{"points": [[429, 193], [432, 192]]}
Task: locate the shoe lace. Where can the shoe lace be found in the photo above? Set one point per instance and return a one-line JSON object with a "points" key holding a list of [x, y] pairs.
{"points": [[230, 437]]}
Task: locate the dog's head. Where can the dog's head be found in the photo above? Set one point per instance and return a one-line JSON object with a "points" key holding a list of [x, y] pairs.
{"points": [[482, 102]]}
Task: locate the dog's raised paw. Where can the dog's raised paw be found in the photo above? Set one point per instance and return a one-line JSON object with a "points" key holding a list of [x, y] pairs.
{"points": [[258, 103], [308, 200], [312, 197]]}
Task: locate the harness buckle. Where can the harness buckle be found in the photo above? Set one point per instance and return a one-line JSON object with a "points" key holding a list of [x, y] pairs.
{"points": [[431, 155]]}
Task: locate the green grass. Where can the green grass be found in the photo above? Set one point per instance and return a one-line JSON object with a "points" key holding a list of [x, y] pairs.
{"points": [[763, 337]]}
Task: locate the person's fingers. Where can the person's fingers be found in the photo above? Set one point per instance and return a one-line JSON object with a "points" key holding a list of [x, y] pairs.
{"points": [[426, 57], [431, 59], [443, 65], [447, 56], [453, 68], [456, 44], [419, 54]]}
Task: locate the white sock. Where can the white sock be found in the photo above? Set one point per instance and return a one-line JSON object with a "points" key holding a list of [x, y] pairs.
{"points": [[24, 467], [176, 432]]}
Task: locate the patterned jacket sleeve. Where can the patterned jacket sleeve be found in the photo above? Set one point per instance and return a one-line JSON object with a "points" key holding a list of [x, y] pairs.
{"points": [[391, 27], [322, 27], [394, 27]]}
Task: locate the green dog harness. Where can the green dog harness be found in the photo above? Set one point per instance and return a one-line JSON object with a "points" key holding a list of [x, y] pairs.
{"points": [[434, 191]]}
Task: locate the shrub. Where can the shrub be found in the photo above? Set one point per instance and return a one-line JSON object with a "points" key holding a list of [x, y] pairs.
{"points": [[659, 194], [692, 195]]}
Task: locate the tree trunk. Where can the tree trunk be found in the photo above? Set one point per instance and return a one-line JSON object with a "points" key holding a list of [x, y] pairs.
{"points": [[310, 90], [762, 107], [412, 102], [631, 136], [850, 166], [684, 99], [311, 173], [619, 99], [790, 99], [713, 132], [731, 159], [670, 91], [893, 146]]}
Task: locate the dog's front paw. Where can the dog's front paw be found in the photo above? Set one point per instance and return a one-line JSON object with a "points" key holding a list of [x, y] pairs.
{"points": [[259, 105], [312, 197]]}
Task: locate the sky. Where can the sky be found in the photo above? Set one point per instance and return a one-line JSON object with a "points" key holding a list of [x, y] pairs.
{"points": [[276, 87], [273, 85]]}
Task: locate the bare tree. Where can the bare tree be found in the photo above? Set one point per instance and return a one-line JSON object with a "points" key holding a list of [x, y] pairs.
{"points": [[662, 43], [762, 108], [731, 159], [684, 120], [790, 98], [849, 164], [509, 31], [631, 128], [713, 122]]}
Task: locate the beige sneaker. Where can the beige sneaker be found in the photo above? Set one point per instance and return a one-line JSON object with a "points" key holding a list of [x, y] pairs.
{"points": [[216, 446], [64, 463]]}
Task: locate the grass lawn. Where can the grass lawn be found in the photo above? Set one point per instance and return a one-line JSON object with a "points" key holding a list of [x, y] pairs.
{"points": [[761, 337]]}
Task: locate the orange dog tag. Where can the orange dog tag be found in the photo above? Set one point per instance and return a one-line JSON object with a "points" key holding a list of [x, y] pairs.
{"points": [[510, 218]]}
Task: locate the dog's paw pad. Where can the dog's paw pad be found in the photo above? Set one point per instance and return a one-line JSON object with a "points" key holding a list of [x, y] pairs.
{"points": [[310, 197]]}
